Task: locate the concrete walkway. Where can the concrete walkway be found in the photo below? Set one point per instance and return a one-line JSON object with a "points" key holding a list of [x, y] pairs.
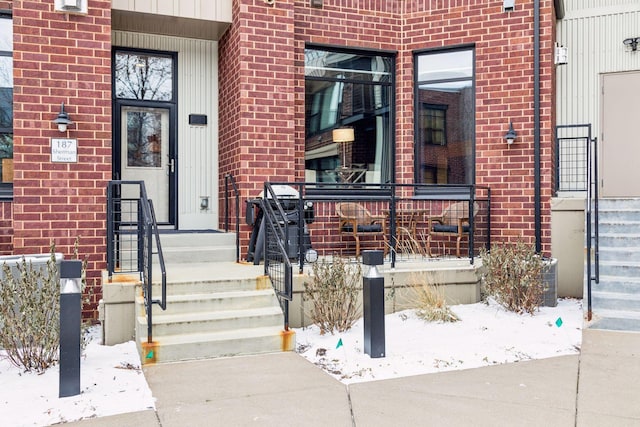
{"points": [[599, 387]]}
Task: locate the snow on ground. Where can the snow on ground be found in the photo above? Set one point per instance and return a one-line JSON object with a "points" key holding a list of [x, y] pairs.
{"points": [[487, 334], [112, 380]]}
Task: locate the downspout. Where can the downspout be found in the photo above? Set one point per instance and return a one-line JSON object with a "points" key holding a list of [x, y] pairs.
{"points": [[536, 126]]}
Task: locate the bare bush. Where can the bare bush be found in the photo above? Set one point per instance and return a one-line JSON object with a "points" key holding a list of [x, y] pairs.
{"points": [[427, 297], [513, 276], [333, 293], [30, 314]]}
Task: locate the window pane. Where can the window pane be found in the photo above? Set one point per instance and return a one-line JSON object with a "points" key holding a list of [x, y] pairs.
{"points": [[6, 101], [445, 118], [352, 66], [6, 35], [6, 157], [145, 77], [348, 90], [445, 65]]}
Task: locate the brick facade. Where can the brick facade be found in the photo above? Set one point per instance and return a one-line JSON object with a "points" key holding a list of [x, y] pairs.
{"points": [[67, 58], [262, 54], [61, 58]]}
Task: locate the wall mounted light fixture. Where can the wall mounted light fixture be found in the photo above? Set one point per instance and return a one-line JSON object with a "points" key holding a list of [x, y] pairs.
{"points": [[632, 43], [204, 203], [511, 135], [62, 120]]}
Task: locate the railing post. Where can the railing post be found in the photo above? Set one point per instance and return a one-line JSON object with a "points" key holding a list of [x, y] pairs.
{"points": [[110, 230]]}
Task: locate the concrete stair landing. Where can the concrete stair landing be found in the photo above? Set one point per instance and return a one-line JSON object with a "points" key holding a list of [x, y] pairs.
{"points": [[215, 306]]}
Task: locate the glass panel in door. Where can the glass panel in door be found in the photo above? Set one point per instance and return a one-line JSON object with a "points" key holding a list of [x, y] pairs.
{"points": [[145, 154]]}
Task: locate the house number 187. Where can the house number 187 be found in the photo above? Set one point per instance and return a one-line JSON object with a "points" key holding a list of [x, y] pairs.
{"points": [[64, 150]]}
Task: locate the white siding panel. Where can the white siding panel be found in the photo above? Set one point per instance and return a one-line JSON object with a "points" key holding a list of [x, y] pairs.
{"points": [[595, 47], [197, 145], [213, 10]]}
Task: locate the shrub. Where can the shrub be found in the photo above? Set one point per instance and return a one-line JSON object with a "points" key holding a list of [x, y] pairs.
{"points": [[30, 314], [428, 299], [333, 293], [513, 276]]}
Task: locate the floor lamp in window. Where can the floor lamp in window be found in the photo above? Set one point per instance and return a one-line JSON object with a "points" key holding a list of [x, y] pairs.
{"points": [[343, 136]]}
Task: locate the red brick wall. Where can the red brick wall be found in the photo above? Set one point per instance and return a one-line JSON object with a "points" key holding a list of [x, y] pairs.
{"points": [[62, 58], [504, 89], [257, 81]]}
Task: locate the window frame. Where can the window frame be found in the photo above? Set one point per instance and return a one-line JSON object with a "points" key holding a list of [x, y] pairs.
{"points": [[328, 188], [6, 188], [418, 103]]}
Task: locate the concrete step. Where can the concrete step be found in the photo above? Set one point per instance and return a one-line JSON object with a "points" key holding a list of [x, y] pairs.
{"points": [[217, 301], [217, 321], [617, 284], [621, 268], [197, 247], [615, 226], [613, 323], [209, 277], [237, 342], [616, 301], [615, 254], [619, 240]]}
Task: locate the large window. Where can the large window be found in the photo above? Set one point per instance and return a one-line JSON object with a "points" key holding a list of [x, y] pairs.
{"points": [[444, 117], [6, 103], [348, 89]]}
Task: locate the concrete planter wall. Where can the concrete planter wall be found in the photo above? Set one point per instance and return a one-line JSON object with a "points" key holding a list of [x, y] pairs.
{"points": [[37, 261]]}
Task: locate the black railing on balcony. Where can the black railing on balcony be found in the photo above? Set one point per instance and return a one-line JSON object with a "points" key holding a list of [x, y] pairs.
{"points": [[131, 232], [419, 221]]}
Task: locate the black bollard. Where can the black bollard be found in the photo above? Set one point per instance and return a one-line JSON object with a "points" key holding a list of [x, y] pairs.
{"points": [[70, 313], [373, 302]]}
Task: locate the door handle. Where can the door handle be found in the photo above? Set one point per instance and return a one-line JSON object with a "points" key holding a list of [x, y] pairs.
{"points": [[171, 165]]}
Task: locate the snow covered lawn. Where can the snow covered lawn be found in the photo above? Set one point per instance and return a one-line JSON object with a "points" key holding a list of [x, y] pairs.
{"points": [[486, 334]]}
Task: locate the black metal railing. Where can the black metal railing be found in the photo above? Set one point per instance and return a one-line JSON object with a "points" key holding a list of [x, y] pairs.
{"points": [[292, 227], [277, 246], [131, 232], [230, 180], [577, 170], [394, 201]]}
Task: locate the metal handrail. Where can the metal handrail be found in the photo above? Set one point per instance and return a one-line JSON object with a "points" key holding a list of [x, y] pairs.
{"points": [[391, 193], [583, 162], [277, 265], [134, 217], [228, 178], [278, 235]]}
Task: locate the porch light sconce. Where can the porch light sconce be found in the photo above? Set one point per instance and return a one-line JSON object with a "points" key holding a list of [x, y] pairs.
{"points": [[63, 119], [632, 43], [343, 136], [204, 203], [511, 135]]}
